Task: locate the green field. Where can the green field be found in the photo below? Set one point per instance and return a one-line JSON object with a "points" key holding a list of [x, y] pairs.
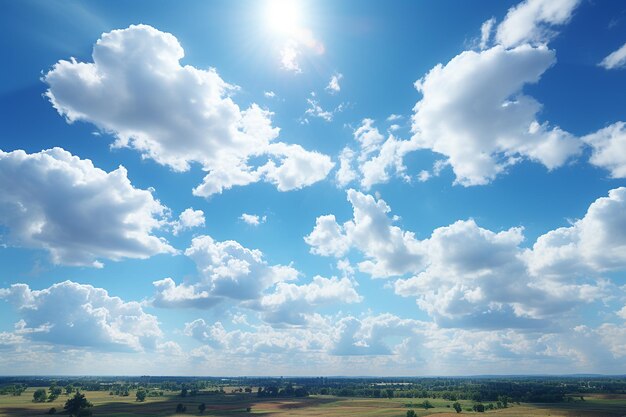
{"points": [[235, 405]]}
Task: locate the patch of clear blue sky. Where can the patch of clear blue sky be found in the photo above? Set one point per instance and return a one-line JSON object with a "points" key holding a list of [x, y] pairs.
{"points": [[381, 48]]}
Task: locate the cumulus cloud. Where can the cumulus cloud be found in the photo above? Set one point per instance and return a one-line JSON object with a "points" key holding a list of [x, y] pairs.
{"points": [[594, 244], [228, 271], [485, 32], [264, 339], [531, 21], [371, 335], [188, 219], [289, 302], [377, 159], [388, 250], [289, 58], [234, 273], [176, 115], [252, 219], [77, 212], [609, 149], [615, 60], [499, 128], [465, 275], [72, 314], [333, 86]]}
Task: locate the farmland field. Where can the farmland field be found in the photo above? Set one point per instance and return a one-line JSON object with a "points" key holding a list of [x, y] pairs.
{"points": [[236, 405]]}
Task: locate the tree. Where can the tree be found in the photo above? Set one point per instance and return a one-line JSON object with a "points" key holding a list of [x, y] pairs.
{"points": [[54, 392], [411, 413], [180, 408], [69, 389], [201, 408], [52, 411], [183, 392], [78, 405], [479, 408], [141, 395], [40, 396], [457, 407]]}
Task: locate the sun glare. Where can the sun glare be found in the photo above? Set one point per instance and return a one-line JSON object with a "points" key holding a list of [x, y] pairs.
{"points": [[283, 16]]}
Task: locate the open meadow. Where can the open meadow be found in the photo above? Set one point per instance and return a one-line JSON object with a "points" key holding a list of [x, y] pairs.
{"points": [[235, 405]]}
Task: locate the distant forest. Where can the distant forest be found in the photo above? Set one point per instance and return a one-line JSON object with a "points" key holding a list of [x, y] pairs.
{"points": [[548, 389]]}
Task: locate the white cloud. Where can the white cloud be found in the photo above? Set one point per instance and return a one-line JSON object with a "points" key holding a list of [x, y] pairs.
{"points": [[176, 115], [333, 86], [189, 219], [464, 275], [72, 314], [485, 32], [388, 250], [499, 128], [609, 149], [371, 335], [328, 238], [252, 219], [232, 273], [296, 167], [289, 302], [596, 243], [378, 158], [289, 58], [531, 21], [263, 340], [228, 271], [616, 59], [77, 212], [269, 94], [315, 110], [345, 174]]}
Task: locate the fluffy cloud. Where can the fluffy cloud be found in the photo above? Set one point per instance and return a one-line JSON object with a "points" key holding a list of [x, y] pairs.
{"points": [[289, 58], [333, 86], [499, 127], [78, 213], [609, 149], [136, 89], [252, 219], [594, 244], [389, 251], [477, 278], [531, 21], [485, 32], [228, 271], [616, 59], [289, 302], [231, 272], [188, 219], [72, 314], [377, 158], [264, 339], [464, 275], [297, 167], [371, 335]]}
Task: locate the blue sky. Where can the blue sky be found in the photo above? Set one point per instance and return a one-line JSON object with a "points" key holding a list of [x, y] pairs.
{"points": [[312, 188]]}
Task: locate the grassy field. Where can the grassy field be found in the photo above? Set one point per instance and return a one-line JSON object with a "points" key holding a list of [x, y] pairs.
{"points": [[234, 405]]}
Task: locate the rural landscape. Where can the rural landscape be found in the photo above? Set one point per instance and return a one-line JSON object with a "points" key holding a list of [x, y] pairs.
{"points": [[299, 208], [591, 396]]}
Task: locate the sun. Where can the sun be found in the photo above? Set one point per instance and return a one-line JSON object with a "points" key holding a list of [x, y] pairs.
{"points": [[283, 16]]}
